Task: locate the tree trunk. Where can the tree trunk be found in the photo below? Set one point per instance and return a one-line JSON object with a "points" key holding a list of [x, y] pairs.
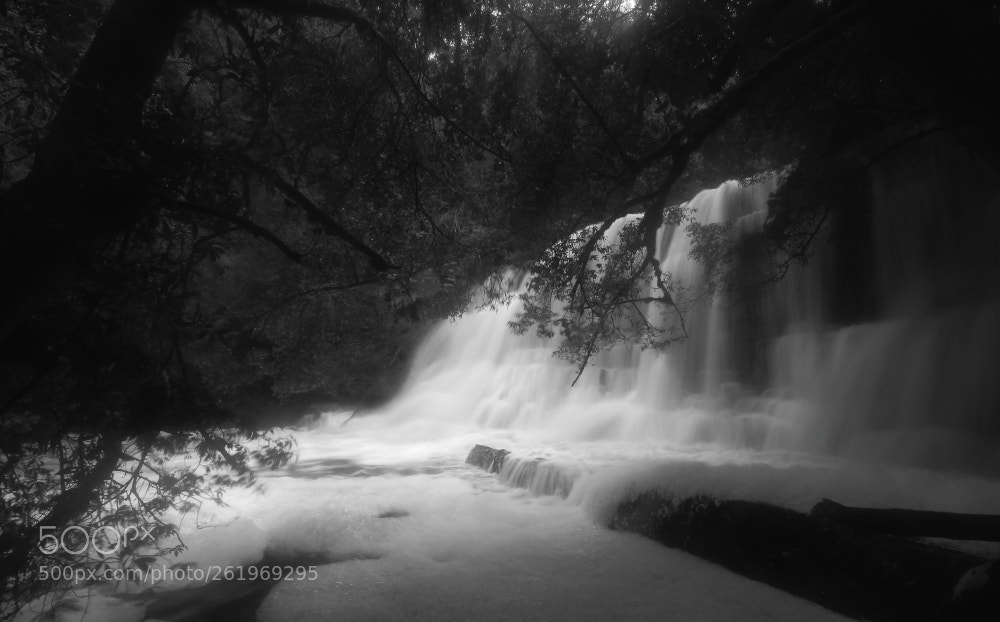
{"points": [[87, 183]]}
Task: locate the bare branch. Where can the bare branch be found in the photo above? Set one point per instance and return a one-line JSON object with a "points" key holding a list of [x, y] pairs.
{"points": [[667, 298], [591, 348], [627, 159], [329, 225], [328, 287], [242, 223]]}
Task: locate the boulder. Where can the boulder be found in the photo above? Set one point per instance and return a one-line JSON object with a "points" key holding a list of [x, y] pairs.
{"points": [[489, 459]]}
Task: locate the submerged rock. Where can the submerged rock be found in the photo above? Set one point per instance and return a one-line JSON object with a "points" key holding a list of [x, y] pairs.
{"points": [[393, 513], [487, 458], [236, 596]]}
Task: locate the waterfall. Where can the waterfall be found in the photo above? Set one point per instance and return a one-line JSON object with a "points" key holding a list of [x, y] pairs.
{"points": [[773, 397], [915, 386], [474, 370]]}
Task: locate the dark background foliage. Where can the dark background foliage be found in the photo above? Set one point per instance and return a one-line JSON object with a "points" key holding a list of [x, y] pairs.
{"points": [[219, 214]]}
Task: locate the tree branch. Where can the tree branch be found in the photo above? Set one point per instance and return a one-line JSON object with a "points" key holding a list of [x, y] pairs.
{"points": [[718, 108], [329, 225], [627, 159], [328, 287], [68, 505], [243, 223], [336, 13]]}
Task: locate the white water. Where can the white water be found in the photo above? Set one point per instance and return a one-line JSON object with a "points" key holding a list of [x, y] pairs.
{"points": [[896, 413], [852, 413], [916, 390]]}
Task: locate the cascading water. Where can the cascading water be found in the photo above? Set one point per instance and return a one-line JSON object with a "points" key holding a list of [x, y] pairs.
{"points": [[914, 385], [853, 411], [916, 388], [475, 371], [899, 411]]}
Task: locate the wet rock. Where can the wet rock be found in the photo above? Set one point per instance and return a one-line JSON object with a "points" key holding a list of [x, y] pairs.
{"points": [[393, 514], [489, 459], [856, 572]]}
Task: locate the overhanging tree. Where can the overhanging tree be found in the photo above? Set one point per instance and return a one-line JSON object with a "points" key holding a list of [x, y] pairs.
{"points": [[222, 182]]}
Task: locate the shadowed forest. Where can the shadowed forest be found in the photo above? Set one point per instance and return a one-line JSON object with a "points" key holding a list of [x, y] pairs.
{"points": [[217, 216]]}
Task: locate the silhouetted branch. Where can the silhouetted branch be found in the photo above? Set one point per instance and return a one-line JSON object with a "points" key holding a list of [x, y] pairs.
{"points": [[718, 108], [627, 159], [329, 225], [328, 287], [242, 223], [681, 144]]}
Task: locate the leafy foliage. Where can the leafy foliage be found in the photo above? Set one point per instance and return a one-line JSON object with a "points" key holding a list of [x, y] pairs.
{"points": [[213, 210]]}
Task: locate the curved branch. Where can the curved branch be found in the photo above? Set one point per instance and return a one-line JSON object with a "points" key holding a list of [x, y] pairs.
{"points": [[330, 226], [719, 107], [627, 159], [243, 223], [328, 287]]}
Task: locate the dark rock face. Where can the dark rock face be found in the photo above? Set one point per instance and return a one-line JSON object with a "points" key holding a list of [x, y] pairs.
{"points": [[487, 458], [859, 573], [912, 522]]}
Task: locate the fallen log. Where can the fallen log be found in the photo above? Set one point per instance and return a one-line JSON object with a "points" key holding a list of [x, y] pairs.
{"points": [[859, 573], [914, 523]]}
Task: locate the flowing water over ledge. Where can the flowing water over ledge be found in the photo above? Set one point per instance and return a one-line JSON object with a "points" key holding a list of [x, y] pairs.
{"points": [[421, 535], [894, 413], [899, 412]]}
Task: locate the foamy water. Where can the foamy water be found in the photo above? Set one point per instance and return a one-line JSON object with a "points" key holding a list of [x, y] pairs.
{"points": [[895, 413], [843, 419]]}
